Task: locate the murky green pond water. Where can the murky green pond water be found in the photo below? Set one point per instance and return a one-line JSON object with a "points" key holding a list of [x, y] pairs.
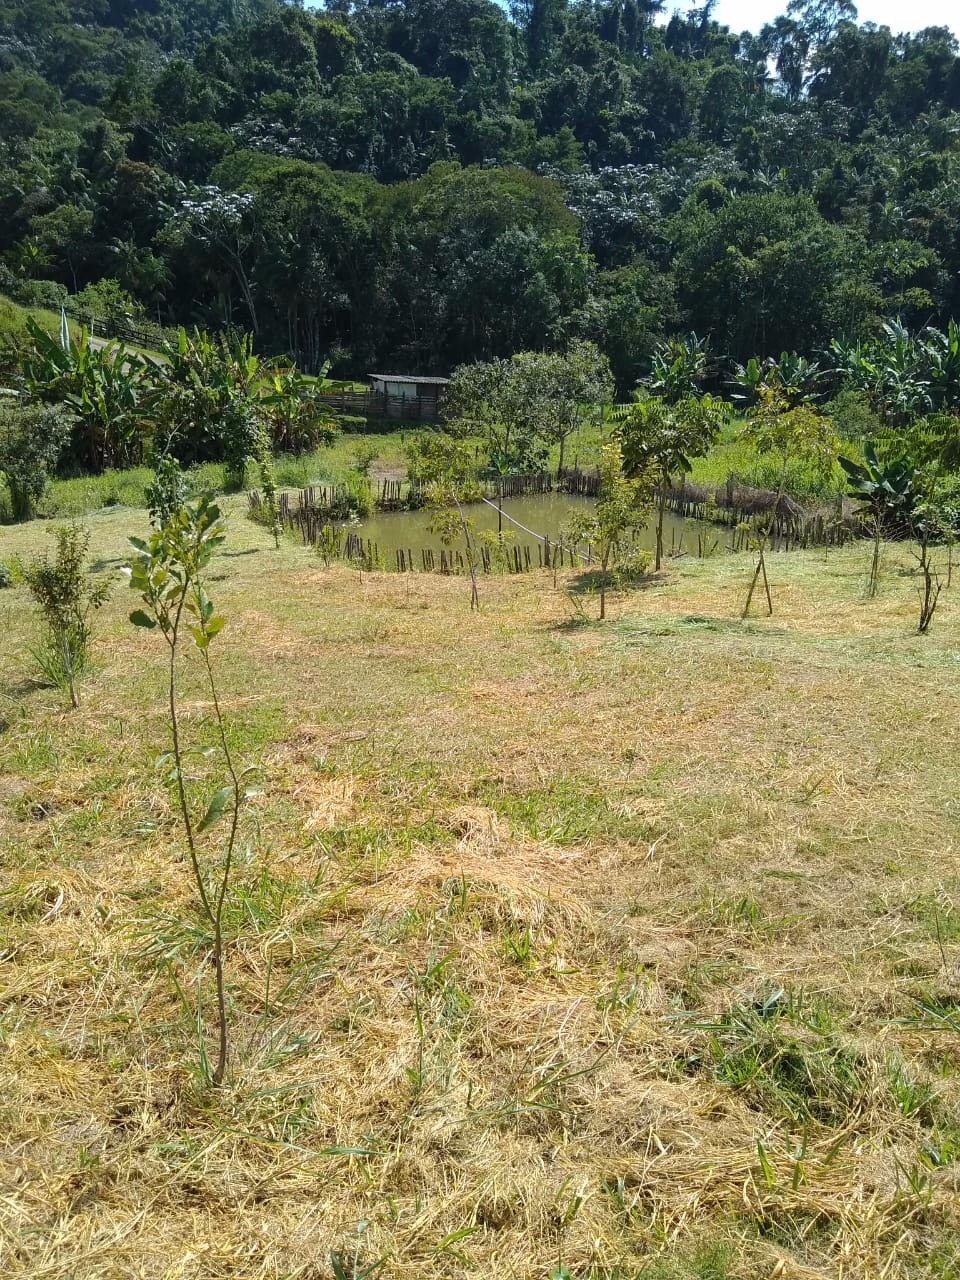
{"points": [[544, 515]]}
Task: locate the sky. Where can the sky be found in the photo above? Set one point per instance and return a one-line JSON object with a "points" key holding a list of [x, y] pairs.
{"points": [[750, 15]]}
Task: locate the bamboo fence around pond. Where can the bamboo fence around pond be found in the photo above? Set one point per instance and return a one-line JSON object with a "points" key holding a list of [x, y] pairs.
{"points": [[740, 507], [402, 495], [320, 510]]}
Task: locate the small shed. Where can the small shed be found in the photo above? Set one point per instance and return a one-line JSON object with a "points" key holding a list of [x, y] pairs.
{"points": [[405, 396]]}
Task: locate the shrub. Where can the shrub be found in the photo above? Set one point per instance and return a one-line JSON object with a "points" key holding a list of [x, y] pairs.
{"points": [[104, 300], [42, 293], [852, 416], [31, 442], [634, 564], [14, 336], [365, 454], [167, 491], [350, 424], [65, 595]]}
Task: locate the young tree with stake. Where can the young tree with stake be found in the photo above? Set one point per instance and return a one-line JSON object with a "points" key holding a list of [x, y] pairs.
{"points": [[885, 496], [789, 436], [442, 464]]}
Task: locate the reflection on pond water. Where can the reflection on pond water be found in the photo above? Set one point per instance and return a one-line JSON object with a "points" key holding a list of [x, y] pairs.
{"points": [[545, 515]]}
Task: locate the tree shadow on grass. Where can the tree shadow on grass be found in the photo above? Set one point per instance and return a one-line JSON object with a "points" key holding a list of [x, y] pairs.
{"points": [[22, 689], [12, 695], [586, 587], [696, 624]]}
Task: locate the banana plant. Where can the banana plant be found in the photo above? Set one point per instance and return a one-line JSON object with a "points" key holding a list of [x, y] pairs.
{"points": [[296, 418], [800, 378], [793, 378], [747, 380], [942, 353], [886, 497], [680, 367], [105, 388], [205, 404], [896, 372]]}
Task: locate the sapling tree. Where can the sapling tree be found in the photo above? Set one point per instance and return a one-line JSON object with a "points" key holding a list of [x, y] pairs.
{"points": [[934, 519], [622, 506], [560, 391], [66, 594], [443, 465], [167, 491], [885, 497], [168, 572], [664, 438], [787, 435], [270, 502], [491, 399]]}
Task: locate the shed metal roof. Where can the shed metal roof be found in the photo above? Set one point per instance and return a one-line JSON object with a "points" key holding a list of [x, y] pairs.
{"points": [[403, 377]]}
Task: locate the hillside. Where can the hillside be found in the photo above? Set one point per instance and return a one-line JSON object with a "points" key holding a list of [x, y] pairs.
{"points": [[416, 184]]}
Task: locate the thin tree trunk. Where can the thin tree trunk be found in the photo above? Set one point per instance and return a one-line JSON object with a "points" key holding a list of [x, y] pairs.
{"points": [[761, 569], [68, 668], [212, 917], [474, 594], [224, 881], [874, 583]]}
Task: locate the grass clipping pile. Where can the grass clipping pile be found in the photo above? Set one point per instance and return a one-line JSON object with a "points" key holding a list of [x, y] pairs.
{"points": [[553, 950]]}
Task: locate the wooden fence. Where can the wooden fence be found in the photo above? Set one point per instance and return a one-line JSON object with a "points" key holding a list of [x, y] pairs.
{"points": [[509, 559], [319, 512], [742, 507], [139, 332], [402, 495], [375, 404]]}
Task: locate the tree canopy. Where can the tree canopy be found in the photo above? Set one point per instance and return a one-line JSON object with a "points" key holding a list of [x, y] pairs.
{"points": [[424, 182]]}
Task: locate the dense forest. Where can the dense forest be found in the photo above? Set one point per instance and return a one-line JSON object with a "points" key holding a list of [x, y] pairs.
{"points": [[416, 183]]}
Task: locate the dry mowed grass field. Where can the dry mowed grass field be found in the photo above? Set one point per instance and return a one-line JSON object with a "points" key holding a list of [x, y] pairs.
{"points": [[609, 952]]}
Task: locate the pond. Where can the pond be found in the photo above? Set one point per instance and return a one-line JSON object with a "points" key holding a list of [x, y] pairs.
{"points": [[544, 515]]}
